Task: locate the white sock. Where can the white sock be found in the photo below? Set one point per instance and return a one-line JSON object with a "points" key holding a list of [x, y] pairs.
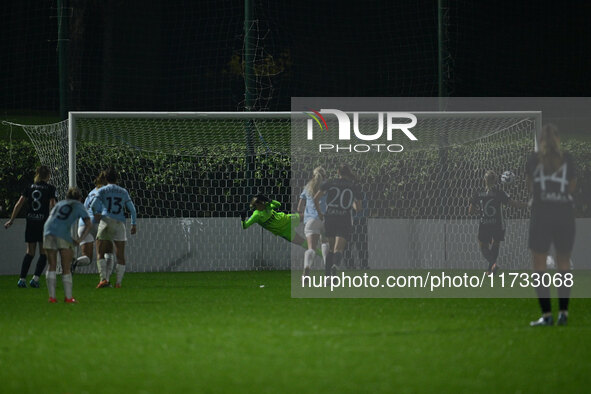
{"points": [[67, 281], [51, 275], [35, 278], [324, 247], [102, 268], [109, 258], [309, 258], [120, 271]]}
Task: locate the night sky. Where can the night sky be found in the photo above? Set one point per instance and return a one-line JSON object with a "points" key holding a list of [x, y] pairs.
{"points": [[188, 55]]}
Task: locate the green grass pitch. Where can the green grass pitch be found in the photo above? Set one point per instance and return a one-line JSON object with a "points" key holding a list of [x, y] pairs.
{"points": [[223, 332]]}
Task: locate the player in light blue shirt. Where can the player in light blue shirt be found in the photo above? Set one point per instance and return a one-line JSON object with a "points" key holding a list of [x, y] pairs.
{"points": [[313, 225], [114, 200], [57, 237], [87, 204], [63, 215], [87, 243], [309, 209]]}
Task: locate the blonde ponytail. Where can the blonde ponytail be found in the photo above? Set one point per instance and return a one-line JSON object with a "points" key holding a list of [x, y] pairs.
{"points": [[314, 184]]}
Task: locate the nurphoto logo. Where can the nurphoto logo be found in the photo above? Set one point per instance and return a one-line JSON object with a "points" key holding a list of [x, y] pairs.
{"points": [[391, 119]]}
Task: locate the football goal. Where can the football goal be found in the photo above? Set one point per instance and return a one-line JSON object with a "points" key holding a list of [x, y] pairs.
{"points": [[191, 174]]}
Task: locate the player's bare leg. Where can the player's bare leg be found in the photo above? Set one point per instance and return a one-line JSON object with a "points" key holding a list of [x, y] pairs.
{"points": [[51, 274], [339, 247], [87, 249], [32, 248]]}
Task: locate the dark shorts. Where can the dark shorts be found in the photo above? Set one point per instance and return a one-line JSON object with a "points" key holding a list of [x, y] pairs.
{"points": [[338, 226], [488, 233], [552, 226], [34, 231]]}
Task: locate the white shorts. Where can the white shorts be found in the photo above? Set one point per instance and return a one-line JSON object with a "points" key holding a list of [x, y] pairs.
{"points": [[314, 226], [110, 229], [56, 243], [90, 237]]}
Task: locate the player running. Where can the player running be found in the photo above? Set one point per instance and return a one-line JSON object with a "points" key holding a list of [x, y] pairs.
{"points": [[313, 225], [86, 244], [552, 179], [491, 230], [40, 197], [278, 223], [114, 200], [57, 237], [342, 196]]}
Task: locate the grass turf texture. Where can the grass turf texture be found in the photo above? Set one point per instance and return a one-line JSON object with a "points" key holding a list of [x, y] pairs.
{"points": [[222, 332]]}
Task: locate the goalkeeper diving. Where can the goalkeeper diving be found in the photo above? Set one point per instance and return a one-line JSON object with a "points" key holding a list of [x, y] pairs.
{"points": [[279, 223]]}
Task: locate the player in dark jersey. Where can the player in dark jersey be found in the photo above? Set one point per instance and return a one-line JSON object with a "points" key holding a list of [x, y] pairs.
{"points": [[491, 230], [552, 179], [39, 197], [342, 195]]}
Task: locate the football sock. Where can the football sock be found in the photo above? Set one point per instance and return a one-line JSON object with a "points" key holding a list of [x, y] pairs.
{"points": [[328, 265], [337, 257], [308, 258], [543, 293], [487, 254], [109, 259], [120, 271], [324, 247], [102, 268], [51, 279], [36, 278], [494, 251], [25, 265], [67, 281], [40, 265], [563, 294]]}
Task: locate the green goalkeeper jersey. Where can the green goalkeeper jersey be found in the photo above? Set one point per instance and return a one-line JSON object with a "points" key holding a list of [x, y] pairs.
{"points": [[278, 223]]}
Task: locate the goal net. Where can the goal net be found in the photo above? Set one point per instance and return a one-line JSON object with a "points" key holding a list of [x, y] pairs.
{"points": [[190, 176]]}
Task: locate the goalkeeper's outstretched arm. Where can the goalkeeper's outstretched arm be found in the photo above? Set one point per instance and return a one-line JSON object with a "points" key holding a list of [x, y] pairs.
{"points": [[246, 223]]}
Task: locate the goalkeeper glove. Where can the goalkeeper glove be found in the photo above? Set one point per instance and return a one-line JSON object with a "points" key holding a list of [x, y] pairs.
{"points": [[243, 215]]}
